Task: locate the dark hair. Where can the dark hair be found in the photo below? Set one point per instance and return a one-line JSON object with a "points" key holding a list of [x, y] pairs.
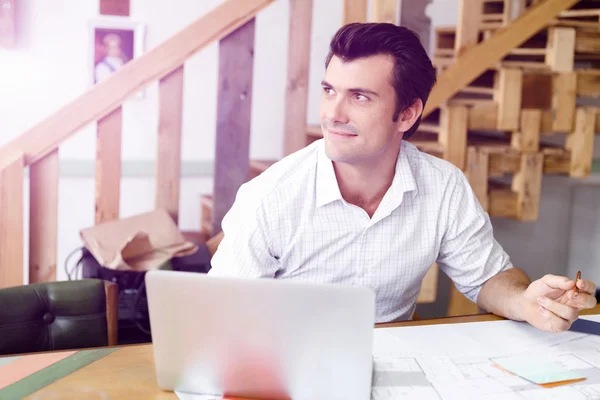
{"points": [[413, 74]]}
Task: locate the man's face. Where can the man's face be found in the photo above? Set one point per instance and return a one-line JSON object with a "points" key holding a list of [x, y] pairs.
{"points": [[113, 48], [357, 108]]}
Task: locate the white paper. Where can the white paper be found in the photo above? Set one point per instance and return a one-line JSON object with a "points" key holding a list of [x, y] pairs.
{"points": [[455, 361], [192, 396]]}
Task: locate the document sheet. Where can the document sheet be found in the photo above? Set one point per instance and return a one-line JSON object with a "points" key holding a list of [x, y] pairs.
{"points": [[460, 361]]}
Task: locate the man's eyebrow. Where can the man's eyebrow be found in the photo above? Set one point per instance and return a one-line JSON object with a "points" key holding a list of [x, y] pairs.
{"points": [[352, 90]]}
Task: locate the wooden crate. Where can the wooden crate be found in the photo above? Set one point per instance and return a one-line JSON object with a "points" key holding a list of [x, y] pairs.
{"points": [[557, 48], [584, 14], [518, 200]]}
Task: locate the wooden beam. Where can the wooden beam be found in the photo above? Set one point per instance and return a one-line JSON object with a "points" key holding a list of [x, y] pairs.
{"points": [[537, 91], [168, 164], [354, 11], [586, 41], [296, 96], [508, 97], [564, 101], [527, 139], [581, 142], [468, 25], [236, 63], [483, 117], [106, 96], [453, 134], [527, 183], [384, 11], [503, 203], [588, 83], [477, 59], [560, 51], [478, 165], [11, 223], [108, 167], [43, 218]]}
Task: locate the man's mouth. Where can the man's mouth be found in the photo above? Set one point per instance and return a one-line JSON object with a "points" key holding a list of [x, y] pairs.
{"points": [[341, 133]]}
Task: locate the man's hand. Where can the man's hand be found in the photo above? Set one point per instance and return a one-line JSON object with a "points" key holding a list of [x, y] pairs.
{"points": [[550, 303]]}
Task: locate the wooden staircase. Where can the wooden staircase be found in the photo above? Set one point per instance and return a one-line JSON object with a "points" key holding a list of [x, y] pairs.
{"points": [[502, 87]]}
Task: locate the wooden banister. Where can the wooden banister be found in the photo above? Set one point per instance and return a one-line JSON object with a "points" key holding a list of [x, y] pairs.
{"points": [[475, 60], [43, 218], [11, 222], [108, 166], [38, 147], [104, 97], [168, 160]]}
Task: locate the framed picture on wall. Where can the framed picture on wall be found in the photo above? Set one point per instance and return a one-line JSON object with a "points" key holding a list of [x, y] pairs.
{"points": [[113, 43]]}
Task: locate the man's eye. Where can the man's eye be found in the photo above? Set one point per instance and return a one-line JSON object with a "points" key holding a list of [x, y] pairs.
{"points": [[361, 97], [328, 90]]}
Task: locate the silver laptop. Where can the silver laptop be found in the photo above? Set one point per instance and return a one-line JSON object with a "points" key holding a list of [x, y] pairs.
{"points": [[261, 338]]}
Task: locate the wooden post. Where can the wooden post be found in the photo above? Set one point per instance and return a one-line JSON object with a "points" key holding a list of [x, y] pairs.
{"points": [[11, 222], [467, 27], [581, 142], [527, 183], [478, 164], [453, 134], [507, 94], [168, 162], [296, 97], [384, 11], [236, 63], [564, 101], [354, 11], [477, 174], [108, 167], [43, 218], [527, 139], [560, 50]]}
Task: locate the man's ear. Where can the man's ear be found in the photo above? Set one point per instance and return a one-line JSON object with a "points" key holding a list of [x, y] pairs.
{"points": [[409, 116]]}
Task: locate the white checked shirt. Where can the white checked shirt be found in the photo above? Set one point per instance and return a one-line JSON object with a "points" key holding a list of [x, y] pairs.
{"points": [[291, 222]]}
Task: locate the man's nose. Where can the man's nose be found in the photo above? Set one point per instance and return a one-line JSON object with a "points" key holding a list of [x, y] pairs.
{"points": [[337, 112]]}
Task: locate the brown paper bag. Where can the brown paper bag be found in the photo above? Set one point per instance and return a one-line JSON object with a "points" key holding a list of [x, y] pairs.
{"points": [[141, 243]]}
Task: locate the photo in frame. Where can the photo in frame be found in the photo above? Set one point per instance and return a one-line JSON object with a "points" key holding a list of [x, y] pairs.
{"points": [[114, 41]]}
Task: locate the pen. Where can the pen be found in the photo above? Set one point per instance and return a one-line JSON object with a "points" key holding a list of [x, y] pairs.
{"points": [[577, 278]]}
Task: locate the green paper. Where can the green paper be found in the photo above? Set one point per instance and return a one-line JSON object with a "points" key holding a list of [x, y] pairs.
{"points": [[537, 369]]}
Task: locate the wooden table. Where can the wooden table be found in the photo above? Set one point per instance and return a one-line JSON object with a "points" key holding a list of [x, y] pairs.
{"points": [[129, 372]]}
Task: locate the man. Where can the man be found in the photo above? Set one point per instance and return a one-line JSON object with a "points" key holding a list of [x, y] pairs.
{"points": [[364, 207], [113, 59]]}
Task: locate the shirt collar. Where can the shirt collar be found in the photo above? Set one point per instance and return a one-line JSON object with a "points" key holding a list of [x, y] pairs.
{"points": [[328, 190]]}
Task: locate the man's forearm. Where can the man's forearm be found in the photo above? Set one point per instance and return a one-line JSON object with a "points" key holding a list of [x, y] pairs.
{"points": [[502, 294]]}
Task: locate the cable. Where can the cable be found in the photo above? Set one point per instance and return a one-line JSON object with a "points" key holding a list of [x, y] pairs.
{"points": [[135, 313], [67, 262]]}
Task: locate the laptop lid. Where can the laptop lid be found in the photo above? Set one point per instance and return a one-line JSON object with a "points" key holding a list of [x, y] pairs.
{"points": [[261, 338]]}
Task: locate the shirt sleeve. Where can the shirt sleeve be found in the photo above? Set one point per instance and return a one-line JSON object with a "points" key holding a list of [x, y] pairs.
{"points": [[246, 248], [469, 253]]}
